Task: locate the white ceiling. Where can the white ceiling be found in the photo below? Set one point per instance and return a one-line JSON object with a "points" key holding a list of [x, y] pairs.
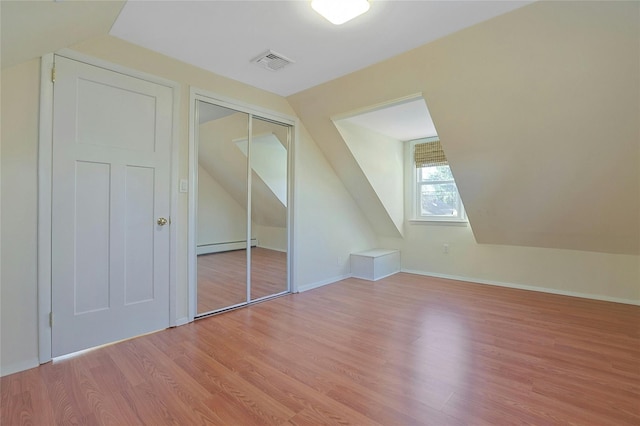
{"points": [[224, 36], [403, 121]]}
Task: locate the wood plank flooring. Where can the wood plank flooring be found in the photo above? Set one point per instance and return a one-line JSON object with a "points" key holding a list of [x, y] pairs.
{"points": [[222, 277], [405, 350]]}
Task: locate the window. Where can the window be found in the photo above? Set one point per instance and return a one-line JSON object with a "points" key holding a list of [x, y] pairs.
{"points": [[435, 193]]}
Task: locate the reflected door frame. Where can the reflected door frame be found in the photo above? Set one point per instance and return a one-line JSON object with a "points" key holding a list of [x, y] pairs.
{"points": [[202, 95]]}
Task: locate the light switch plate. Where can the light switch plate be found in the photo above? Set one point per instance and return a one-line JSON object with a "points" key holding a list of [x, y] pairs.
{"points": [[184, 185]]}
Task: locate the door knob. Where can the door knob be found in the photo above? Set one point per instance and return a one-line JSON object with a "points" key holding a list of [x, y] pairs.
{"points": [[162, 221]]}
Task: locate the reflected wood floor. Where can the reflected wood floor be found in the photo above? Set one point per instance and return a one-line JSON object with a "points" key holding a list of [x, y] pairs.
{"points": [[222, 277], [405, 350]]}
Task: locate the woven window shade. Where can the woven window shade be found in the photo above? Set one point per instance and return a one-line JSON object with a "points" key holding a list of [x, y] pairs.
{"points": [[429, 154]]}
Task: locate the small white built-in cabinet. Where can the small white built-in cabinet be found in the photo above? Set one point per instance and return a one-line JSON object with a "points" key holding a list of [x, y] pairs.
{"points": [[375, 264]]}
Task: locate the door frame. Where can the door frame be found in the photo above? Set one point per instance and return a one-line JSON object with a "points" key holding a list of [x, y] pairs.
{"points": [[45, 151], [195, 95]]}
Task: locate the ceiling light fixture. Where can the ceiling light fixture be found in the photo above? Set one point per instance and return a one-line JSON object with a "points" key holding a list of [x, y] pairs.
{"points": [[340, 11]]}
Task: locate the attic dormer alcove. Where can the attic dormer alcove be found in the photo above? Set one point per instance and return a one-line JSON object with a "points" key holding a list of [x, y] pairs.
{"points": [[375, 137]]}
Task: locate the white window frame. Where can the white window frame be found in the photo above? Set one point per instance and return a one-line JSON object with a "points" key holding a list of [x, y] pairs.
{"points": [[415, 185]]}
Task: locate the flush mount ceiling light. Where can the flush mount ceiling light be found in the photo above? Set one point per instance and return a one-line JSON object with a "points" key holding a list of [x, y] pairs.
{"points": [[340, 11]]}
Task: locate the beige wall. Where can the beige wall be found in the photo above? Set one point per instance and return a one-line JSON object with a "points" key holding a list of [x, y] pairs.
{"points": [[19, 156], [31, 29], [221, 158], [605, 276], [470, 81], [538, 113], [122, 53], [271, 237], [220, 218], [321, 203], [381, 159], [328, 223]]}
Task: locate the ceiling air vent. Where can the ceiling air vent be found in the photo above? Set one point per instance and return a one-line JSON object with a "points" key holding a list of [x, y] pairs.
{"points": [[272, 61]]}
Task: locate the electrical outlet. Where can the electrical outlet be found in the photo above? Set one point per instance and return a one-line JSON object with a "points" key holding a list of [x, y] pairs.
{"points": [[445, 248]]}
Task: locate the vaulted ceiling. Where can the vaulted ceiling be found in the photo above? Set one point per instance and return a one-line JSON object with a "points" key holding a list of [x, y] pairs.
{"points": [[226, 163], [537, 109], [538, 113], [224, 36]]}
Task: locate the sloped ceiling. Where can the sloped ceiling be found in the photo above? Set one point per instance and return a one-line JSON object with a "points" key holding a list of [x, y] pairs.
{"points": [[375, 141], [223, 160], [355, 180], [224, 36], [380, 158], [30, 29], [538, 112]]}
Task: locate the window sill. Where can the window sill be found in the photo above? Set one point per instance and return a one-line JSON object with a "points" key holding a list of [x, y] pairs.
{"points": [[443, 222]]}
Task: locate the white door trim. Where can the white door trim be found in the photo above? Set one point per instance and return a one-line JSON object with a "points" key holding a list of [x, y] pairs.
{"points": [[45, 181], [196, 94]]}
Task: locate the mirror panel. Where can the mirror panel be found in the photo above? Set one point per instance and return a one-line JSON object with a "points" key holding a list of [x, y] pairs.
{"points": [[222, 208], [269, 160]]}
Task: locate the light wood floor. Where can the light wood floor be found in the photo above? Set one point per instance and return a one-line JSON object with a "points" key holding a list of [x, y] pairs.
{"points": [[222, 277], [401, 351]]}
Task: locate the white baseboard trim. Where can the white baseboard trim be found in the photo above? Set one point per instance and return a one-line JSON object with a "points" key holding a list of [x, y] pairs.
{"points": [[525, 287], [374, 279], [19, 366], [317, 284], [182, 321], [271, 248], [219, 247]]}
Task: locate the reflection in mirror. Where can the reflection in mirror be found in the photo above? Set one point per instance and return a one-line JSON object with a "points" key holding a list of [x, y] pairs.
{"points": [[222, 209], [268, 153]]}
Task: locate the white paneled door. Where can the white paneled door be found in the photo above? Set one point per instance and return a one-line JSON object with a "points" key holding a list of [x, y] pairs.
{"points": [[110, 199]]}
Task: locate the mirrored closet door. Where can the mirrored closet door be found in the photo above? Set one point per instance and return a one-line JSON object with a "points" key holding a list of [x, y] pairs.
{"points": [[269, 146], [241, 227]]}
